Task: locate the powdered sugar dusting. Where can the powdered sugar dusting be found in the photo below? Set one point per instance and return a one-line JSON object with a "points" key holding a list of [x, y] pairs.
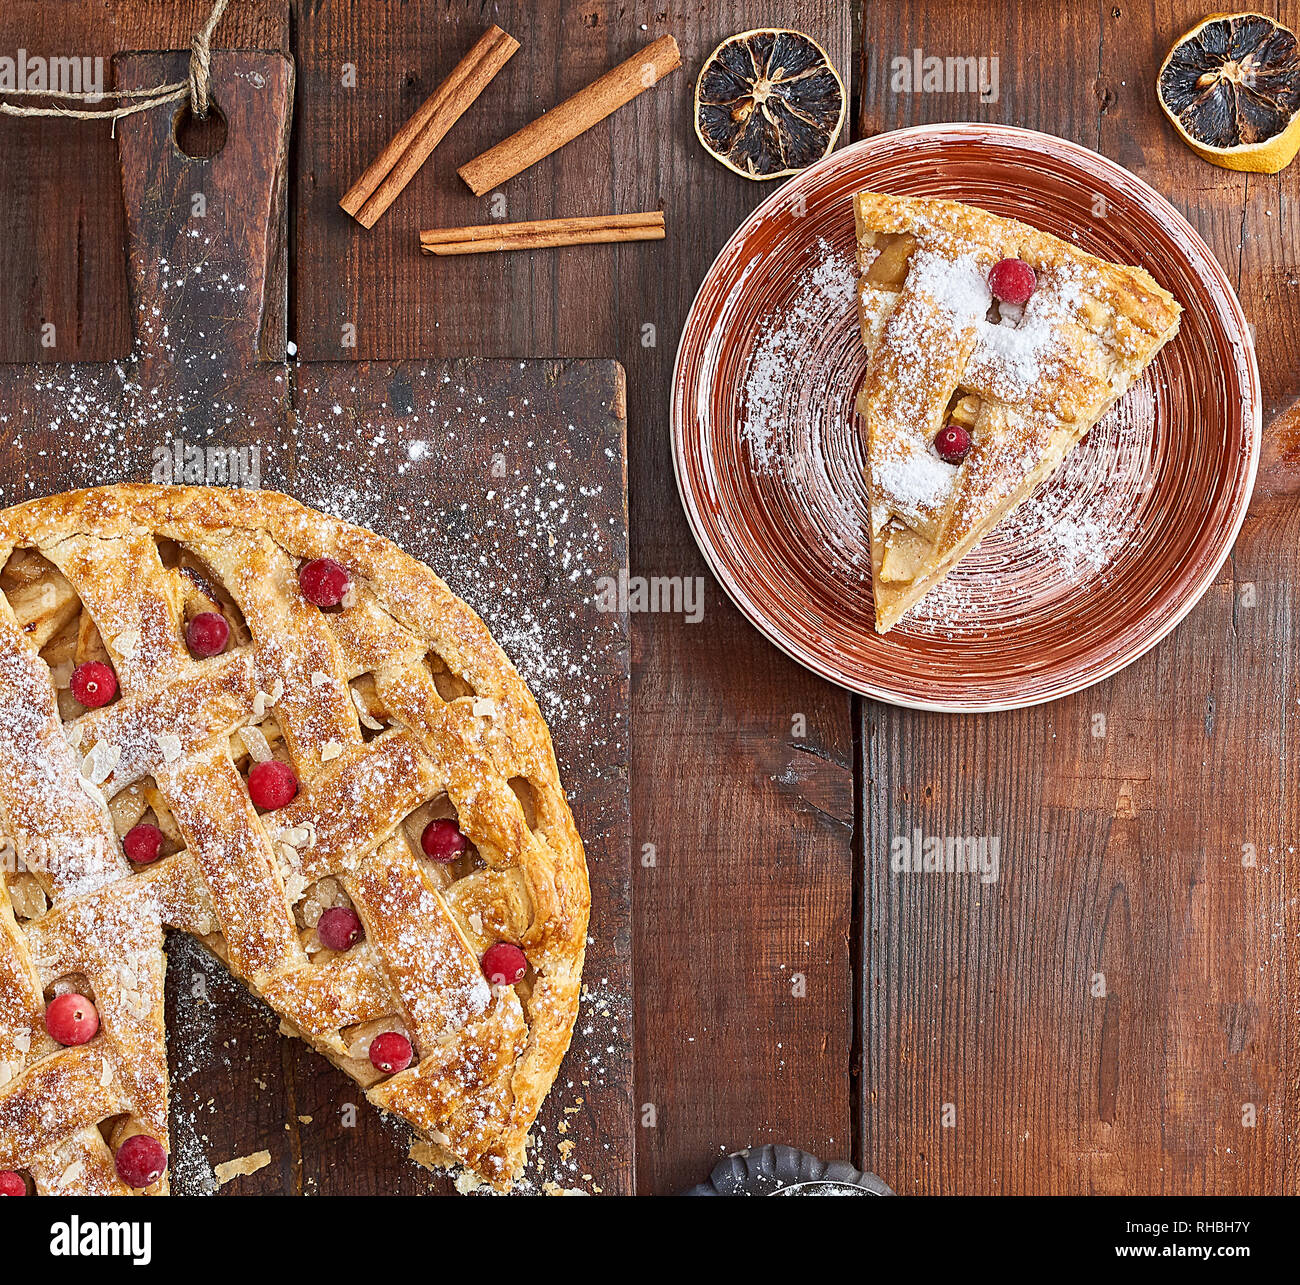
{"points": [[916, 480], [958, 285], [1066, 536], [827, 292], [1015, 356], [1023, 347]]}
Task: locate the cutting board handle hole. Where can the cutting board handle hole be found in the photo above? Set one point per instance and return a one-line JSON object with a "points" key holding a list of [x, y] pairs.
{"points": [[200, 140]]}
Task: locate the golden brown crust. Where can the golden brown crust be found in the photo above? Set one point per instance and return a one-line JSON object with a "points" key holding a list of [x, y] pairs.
{"points": [[395, 708], [1031, 386]]}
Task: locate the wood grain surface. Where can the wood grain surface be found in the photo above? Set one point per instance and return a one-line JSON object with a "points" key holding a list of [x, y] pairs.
{"points": [[1102, 1018]]}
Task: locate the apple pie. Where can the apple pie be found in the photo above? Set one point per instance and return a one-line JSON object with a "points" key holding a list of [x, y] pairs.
{"points": [[993, 349], [227, 715]]}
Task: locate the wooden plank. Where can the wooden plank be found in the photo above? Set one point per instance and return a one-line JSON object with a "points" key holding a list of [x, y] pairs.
{"points": [[744, 759], [468, 465], [743, 763], [1122, 853]]}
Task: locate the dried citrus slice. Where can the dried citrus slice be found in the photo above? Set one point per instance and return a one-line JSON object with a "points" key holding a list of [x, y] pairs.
{"points": [[1231, 87], [768, 103]]}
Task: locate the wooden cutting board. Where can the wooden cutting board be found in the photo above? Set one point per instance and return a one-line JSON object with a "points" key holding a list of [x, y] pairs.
{"points": [[508, 478]]}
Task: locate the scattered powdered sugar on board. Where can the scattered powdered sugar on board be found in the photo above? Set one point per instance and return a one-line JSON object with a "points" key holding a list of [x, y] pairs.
{"points": [[560, 1160], [528, 566], [202, 1000]]}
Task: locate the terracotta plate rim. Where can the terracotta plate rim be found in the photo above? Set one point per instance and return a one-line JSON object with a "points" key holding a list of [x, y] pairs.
{"points": [[1124, 656]]}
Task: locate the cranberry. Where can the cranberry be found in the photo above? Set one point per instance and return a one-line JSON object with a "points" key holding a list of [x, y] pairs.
{"points": [[443, 841], [12, 1184], [71, 1019], [952, 444], [207, 633], [1012, 281], [504, 964], [272, 784], [141, 1161], [94, 684], [143, 843], [323, 582], [390, 1052], [339, 928]]}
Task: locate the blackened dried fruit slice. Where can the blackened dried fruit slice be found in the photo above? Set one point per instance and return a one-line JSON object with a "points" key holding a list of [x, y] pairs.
{"points": [[769, 103], [1231, 88]]}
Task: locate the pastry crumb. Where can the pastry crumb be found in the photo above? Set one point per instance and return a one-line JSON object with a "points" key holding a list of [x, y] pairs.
{"points": [[241, 1167]]}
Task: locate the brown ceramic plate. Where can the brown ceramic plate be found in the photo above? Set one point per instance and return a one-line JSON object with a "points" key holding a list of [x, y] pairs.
{"points": [[1092, 571]]}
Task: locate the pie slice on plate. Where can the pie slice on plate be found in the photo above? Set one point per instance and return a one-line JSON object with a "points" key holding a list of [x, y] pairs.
{"points": [[994, 348], [224, 714]]}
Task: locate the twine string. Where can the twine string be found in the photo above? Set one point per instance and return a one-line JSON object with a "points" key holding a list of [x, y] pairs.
{"points": [[201, 61], [197, 87]]}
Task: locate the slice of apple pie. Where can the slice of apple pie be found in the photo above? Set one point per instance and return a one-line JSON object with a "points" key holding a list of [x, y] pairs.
{"points": [[994, 348]]}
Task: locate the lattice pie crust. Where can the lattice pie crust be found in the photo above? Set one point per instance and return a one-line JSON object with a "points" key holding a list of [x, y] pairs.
{"points": [[1027, 383], [394, 708]]}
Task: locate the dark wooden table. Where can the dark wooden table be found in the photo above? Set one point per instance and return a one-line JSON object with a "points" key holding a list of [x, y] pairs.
{"points": [[1118, 1012]]}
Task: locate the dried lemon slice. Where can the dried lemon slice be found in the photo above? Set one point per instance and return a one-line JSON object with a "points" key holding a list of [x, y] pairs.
{"points": [[769, 103], [1231, 87]]}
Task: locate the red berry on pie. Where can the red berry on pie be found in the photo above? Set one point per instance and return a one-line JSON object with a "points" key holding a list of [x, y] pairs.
{"points": [[1012, 281], [71, 1019], [143, 843], [140, 1161], [323, 582], [952, 444], [339, 928], [504, 964], [207, 633], [443, 841], [272, 785], [12, 1184], [94, 684], [390, 1052]]}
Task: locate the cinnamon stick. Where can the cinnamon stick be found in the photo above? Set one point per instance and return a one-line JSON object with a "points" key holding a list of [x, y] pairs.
{"points": [[541, 234], [572, 117], [397, 164]]}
